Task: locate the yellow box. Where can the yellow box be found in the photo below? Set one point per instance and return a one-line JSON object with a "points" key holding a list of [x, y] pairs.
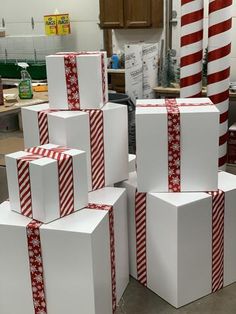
{"points": [[63, 24], [50, 22]]}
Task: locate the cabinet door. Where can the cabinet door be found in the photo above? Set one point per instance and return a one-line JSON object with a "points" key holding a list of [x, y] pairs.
{"points": [[112, 13], [138, 13]]}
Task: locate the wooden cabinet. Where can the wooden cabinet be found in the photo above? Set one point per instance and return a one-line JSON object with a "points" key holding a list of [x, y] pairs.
{"points": [[112, 13], [131, 13]]}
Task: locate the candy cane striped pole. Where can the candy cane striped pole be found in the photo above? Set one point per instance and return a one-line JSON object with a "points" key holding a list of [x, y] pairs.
{"points": [[191, 52], [219, 48]]}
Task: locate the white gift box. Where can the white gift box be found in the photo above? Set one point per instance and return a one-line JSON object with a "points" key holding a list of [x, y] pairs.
{"points": [[179, 243], [132, 162], [72, 129], [30, 121], [90, 76], [117, 198], [44, 195], [76, 262], [76, 255], [199, 142]]}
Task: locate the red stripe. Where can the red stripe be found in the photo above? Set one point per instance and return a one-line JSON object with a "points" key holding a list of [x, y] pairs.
{"points": [[220, 28], [223, 161], [219, 53], [224, 117], [110, 209], [183, 2], [191, 80], [141, 254], [191, 59], [218, 76], [192, 17], [36, 267], [218, 5], [223, 139], [220, 97], [191, 38]]}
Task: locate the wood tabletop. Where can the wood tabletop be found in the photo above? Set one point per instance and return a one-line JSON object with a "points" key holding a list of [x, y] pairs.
{"points": [[39, 97], [174, 91]]}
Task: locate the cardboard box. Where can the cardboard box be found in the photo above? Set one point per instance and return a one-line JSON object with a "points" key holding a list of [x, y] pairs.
{"points": [[84, 83], [232, 145], [76, 259], [179, 241], [72, 129], [199, 144], [46, 200]]}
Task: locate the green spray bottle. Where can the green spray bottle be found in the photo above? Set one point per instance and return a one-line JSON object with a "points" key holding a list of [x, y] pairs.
{"points": [[25, 85]]}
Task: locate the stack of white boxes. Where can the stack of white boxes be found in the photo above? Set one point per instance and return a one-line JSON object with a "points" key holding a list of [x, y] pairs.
{"points": [[63, 233], [181, 211]]}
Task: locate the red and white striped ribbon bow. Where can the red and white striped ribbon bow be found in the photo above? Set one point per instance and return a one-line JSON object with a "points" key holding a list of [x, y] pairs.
{"points": [[141, 241], [43, 125], [24, 183], [191, 48], [110, 209], [72, 78], [65, 176], [219, 48], [97, 148], [36, 267], [218, 213]]}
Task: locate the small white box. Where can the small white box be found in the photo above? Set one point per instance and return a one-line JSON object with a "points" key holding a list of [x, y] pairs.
{"points": [[72, 129], [76, 263], [199, 145], [91, 77], [44, 184], [179, 241]]}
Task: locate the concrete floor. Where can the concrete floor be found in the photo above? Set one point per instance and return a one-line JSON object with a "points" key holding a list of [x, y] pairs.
{"points": [[139, 300]]}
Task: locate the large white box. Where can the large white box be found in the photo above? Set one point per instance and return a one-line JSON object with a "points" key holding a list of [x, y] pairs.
{"points": [[92, 80], [179, 241], [44, 184], [72, 129], [199, 143], [76, 258]]}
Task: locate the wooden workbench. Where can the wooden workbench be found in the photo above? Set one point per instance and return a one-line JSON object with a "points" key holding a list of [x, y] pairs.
{"points": [[174, 92], [39, 98]]}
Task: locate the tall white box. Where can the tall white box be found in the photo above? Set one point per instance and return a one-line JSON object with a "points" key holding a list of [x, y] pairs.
{"points": [[36, 190], [179, 241], [198, 145], [76, 258], [72, 129], [82, 83], [76, 263]]}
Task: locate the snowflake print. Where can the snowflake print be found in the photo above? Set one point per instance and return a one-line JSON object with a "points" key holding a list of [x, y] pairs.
{"points": [[73, 79]]}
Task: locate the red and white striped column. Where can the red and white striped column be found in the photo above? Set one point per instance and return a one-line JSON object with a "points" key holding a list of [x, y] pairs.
{"points": [[219, 48], [191, 52]]}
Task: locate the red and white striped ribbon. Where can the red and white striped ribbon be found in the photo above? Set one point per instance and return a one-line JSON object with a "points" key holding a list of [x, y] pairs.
{"points": [[219, 48], [43, 125], [97, 148], [110, 209], [191, 48], [218, 212], [65, 176], [24, 184], [72, 81], [141, 245], [36, 267]]}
